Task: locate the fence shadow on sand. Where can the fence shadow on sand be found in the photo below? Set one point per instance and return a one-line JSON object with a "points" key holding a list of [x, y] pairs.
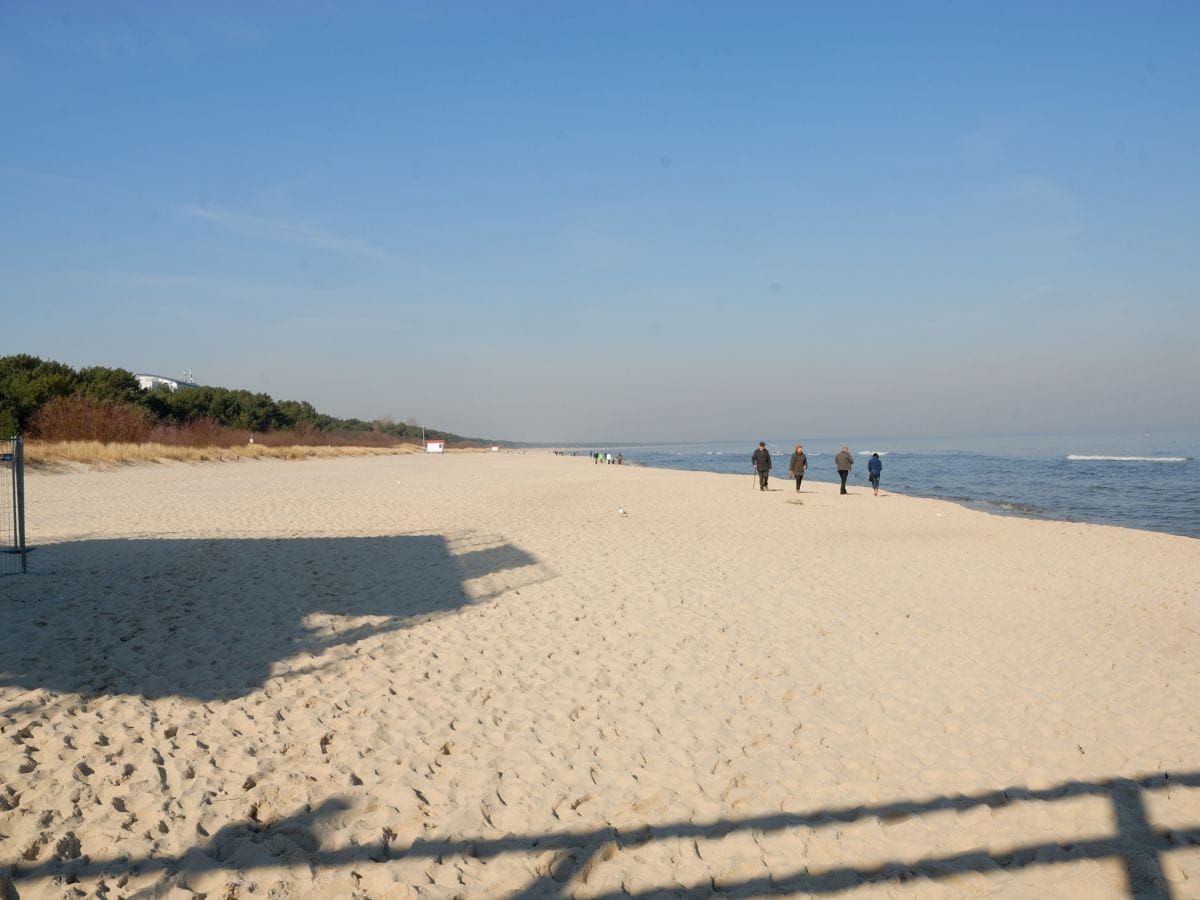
{"points": [[1137, 845]]}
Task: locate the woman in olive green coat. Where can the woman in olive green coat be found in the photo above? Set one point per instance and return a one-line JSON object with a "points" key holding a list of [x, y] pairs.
{"points": [[798, 464]]}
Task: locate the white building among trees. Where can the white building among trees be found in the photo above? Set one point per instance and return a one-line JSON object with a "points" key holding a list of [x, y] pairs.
{"points": [[150, 382]]}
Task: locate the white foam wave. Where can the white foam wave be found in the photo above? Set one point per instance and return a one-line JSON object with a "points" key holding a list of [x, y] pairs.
{"points": [[1083, 457]]}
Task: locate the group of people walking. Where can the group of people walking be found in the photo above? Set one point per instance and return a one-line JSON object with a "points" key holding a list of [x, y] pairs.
{"points": [[798, 465]]}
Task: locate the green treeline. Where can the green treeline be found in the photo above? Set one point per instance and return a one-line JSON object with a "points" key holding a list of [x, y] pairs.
{"points": [[28, 383]]}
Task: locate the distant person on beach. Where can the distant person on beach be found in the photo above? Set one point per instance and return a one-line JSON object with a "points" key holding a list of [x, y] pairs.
{"points": [[844, 461], [596, 458], [761, 461], [620, 460], [798, 464], [874, 470]]}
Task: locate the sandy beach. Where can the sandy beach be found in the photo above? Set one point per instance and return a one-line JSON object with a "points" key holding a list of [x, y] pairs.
{"points": [[475, 676]]}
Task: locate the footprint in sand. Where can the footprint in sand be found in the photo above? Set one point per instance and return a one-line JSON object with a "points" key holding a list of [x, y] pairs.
{"points": [[31, 851], [68, 847], [125, 774]]}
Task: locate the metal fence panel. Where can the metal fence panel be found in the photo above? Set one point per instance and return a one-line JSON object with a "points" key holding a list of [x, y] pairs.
{"points": [[12, 506]]}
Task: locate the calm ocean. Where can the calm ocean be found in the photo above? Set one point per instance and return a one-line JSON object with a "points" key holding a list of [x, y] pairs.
{"points": [[1146, 481]]}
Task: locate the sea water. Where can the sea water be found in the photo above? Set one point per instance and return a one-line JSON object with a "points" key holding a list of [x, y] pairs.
{"points": [[1149, 481]]}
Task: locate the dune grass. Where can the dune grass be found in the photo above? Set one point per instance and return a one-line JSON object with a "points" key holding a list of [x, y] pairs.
{"points": [[100, 454]]}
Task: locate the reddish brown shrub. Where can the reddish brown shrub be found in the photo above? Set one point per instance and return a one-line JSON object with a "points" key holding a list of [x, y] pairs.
{"points": [[84, 419], [198, 433], [310, 437]]}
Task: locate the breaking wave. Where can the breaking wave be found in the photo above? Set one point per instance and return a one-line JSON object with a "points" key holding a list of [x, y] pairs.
{"points": [[1172, 459]]}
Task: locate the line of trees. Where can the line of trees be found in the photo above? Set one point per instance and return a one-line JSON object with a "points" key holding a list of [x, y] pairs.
{"points": [[52, 401]]}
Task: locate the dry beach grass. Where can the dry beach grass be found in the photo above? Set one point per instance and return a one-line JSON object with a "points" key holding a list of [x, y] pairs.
{"points": [[472, 676], [102, 454]]}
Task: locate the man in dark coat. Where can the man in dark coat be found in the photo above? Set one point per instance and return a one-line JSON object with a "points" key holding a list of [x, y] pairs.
{"points": [[762, 464]]}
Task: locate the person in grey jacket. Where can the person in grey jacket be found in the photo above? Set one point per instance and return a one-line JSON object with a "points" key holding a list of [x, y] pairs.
{"points": [[798, 464], [844, 461]]}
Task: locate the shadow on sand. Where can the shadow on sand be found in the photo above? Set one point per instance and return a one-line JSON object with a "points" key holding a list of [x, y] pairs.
{"points": [[215, 616], [1137, 845], [210, 619]]}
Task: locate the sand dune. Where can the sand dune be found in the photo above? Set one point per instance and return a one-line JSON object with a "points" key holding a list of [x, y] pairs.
{"points": [[472, 676]]}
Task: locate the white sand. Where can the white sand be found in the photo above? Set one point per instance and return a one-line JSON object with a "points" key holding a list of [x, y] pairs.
{"points": [[472, 676]]}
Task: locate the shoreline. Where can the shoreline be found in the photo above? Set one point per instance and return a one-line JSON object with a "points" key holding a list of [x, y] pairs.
{"points": [[1108, 490], [496, 673]]}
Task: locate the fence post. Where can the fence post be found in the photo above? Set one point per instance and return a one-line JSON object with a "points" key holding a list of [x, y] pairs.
{"points": [[12, 526], [19, 492]]}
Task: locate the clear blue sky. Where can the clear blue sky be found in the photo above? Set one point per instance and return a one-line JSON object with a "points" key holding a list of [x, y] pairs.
{"points": [[617, 221]]}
